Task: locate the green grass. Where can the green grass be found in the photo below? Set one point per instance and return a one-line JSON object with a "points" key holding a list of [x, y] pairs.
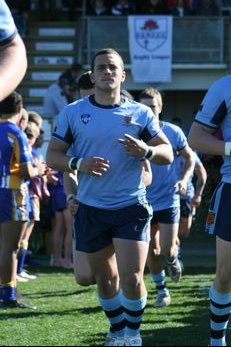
{"points": [[69, 315]]}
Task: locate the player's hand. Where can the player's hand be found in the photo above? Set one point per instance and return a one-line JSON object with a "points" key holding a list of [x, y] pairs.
{"points": [[95, 166], [133, 146]]}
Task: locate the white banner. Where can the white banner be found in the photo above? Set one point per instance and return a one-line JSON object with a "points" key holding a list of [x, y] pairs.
{"points": [[150, 43]]}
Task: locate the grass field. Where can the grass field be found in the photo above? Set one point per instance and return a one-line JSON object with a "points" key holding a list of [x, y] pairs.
{"points": [[69, 315]]}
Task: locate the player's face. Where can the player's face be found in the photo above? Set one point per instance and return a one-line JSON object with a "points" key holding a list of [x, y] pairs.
{"points": [[108, 72], [153, 104]]}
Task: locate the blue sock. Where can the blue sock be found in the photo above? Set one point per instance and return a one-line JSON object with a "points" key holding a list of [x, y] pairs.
{"points": [[21, 260], [7, 292], [159, 280]]}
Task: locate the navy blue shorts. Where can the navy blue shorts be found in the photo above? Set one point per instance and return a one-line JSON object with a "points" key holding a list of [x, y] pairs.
{"points": [[219, 215], [95, 228], [168, 216]]}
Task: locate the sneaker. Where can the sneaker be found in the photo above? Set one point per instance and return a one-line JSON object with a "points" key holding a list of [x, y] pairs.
{"points": [[27, 276], [174, 270], [162, 300], [114, 341], [133, 341], [16, 304], [21, 279]]}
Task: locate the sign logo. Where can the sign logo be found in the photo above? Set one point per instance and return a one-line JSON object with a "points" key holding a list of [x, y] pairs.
{"points": [[151, 34]]}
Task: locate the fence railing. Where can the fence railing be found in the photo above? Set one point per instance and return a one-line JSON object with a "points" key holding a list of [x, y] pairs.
{"points": [[196, 40]]}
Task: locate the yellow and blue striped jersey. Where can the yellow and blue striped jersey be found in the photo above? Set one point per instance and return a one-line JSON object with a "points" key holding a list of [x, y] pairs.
{"points": [[14, 151]]}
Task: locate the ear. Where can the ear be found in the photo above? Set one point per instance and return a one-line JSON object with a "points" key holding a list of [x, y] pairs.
{"points": [[92, 77], [123, 76]]}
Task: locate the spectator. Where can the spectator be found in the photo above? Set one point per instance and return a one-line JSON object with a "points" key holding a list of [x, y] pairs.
{"points": [[123, 8], [85, 84], [98, 8], [180, 8], [155, 7], [58, 95], [20, 10], [71, 75], [205, 8]]}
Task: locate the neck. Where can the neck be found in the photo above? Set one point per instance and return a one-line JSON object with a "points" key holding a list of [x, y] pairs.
{"points": [[110, 98], [10, 118]]}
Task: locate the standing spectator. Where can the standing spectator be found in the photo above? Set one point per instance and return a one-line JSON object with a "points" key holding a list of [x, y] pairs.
{"points": [[113, 214], [13, 60], [214, 114], [85, 84]]}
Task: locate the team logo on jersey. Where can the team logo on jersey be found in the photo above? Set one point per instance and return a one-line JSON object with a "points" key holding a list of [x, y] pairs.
{"points": [[210, 218], [85, 118], [127, 120]]}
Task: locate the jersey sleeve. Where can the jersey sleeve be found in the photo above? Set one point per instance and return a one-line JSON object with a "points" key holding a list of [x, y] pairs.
{"points": [[7, 26]]}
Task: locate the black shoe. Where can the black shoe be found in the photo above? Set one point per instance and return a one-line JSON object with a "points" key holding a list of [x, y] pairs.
{"points": [[16, 304]]}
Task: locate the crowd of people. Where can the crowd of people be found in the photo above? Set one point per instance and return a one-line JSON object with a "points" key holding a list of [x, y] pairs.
{"points": [[102, 156]]}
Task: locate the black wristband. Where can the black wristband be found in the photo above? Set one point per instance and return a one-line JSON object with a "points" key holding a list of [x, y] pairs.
{"points": [[73, 164], [149, 154]]}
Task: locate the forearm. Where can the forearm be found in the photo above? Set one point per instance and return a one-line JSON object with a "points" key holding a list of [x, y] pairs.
{"points": [[70, 183], [58, 160], [163, 154]]}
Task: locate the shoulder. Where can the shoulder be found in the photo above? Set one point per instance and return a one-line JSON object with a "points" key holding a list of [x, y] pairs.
{"points": [[8, 29]]}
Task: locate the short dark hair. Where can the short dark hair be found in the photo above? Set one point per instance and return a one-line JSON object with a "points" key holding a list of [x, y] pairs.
{"points": [[12, 104], [106, 51], [84, 81]]}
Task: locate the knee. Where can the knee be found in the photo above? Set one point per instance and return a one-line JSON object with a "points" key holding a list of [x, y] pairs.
{"points": [[131, 280], [84, 280]]}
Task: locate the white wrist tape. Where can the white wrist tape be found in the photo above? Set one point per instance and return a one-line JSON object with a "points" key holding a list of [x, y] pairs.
{"points": [[79, 163], [228, 148]]}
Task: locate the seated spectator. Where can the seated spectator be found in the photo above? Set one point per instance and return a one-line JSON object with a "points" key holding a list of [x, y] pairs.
{"points": [[180, 8], [47, 10], [98, 8], [71, 75], [155, 7], [205, 8], [70, 6], [20, 11], [123, 8], [58, 95]]}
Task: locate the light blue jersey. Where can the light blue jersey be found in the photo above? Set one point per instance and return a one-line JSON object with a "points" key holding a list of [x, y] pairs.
{"points": [[215, 112], [180, 163], [162, 193], [7, 26], [93, 130]]}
